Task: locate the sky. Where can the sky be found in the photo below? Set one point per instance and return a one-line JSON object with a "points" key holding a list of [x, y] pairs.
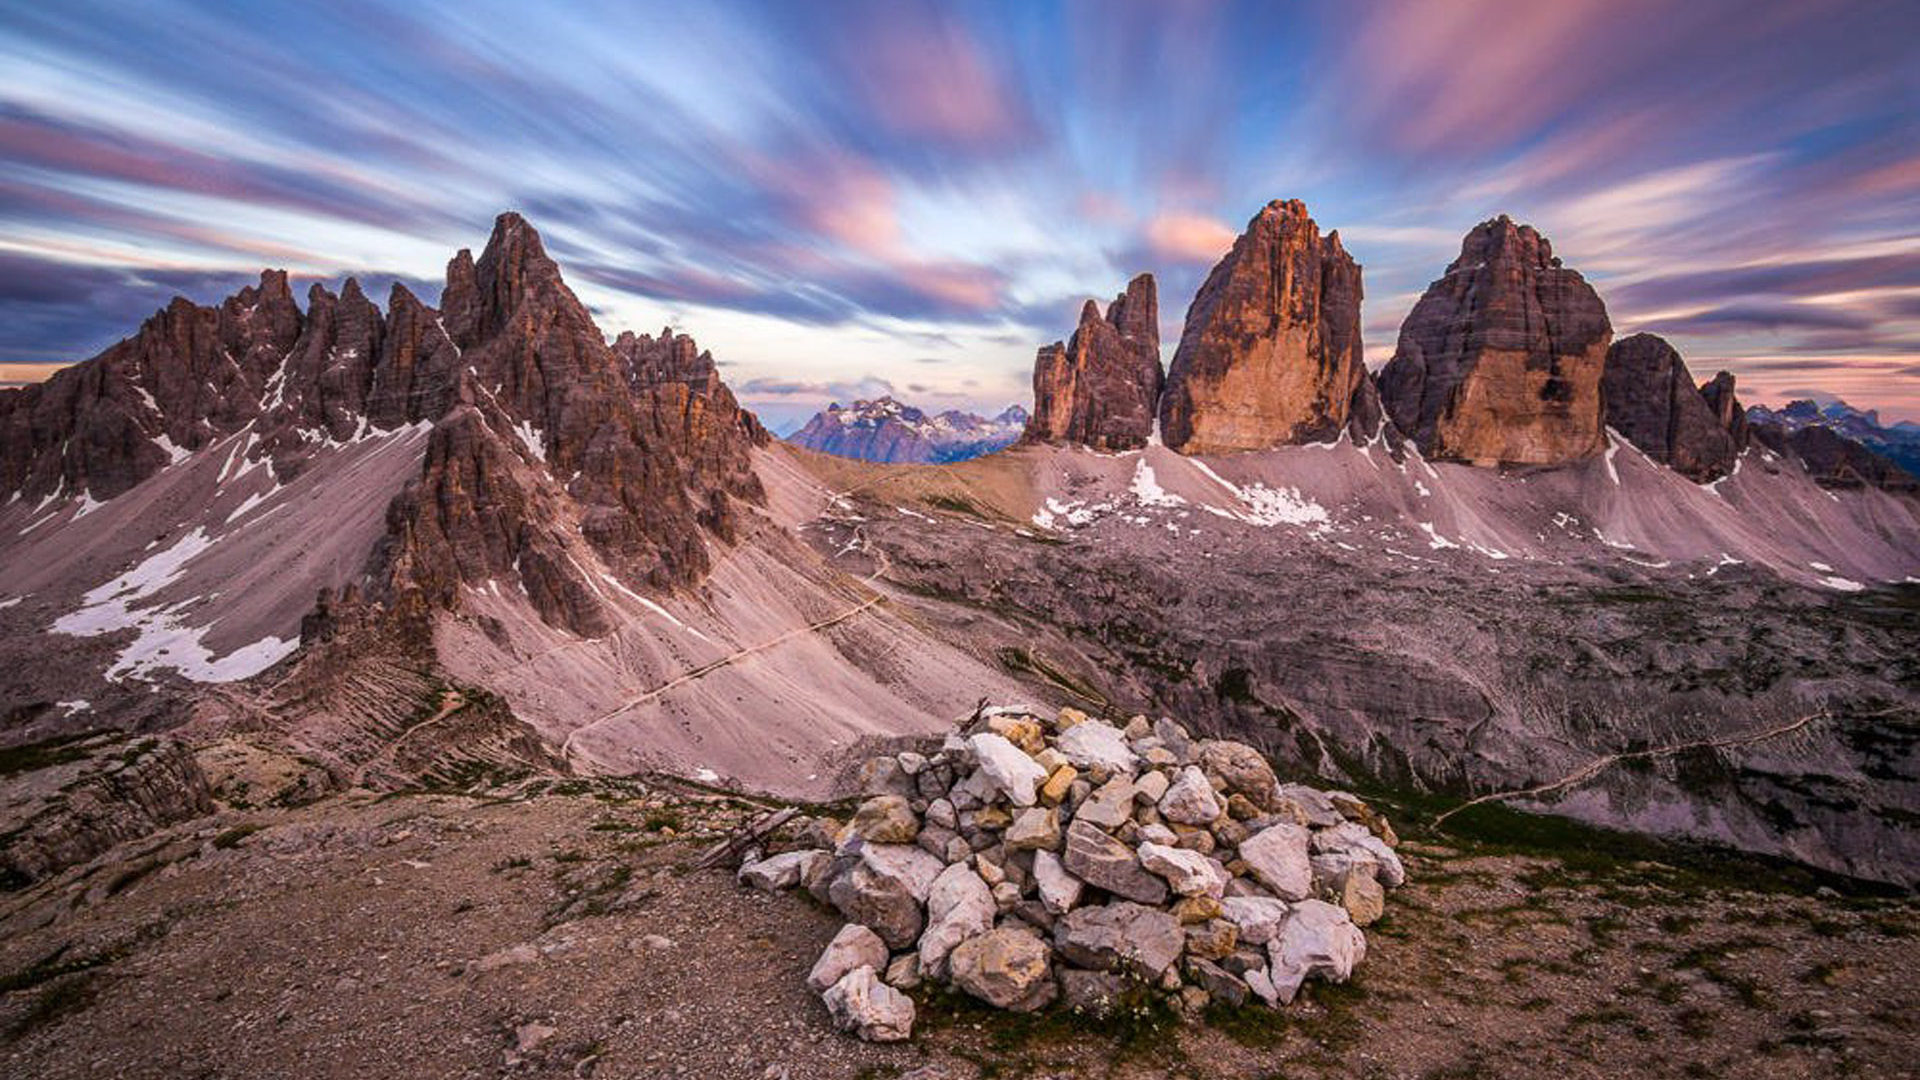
{"points": [[843, 199]]}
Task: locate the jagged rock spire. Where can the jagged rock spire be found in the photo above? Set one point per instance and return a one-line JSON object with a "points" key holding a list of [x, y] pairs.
{"points": [[1100, 389], [1271, 353]]}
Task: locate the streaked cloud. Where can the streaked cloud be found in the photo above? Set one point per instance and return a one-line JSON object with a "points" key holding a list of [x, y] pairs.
{"points": [[825, 194]]}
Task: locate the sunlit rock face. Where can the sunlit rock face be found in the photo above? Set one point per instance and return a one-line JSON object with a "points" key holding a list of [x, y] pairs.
{"points": [[1501, 360], [1271, 353], [1101, 387]]}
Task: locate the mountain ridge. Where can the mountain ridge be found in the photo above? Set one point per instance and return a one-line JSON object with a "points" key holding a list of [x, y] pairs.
{"points": [[889, 431], [601, 548]]}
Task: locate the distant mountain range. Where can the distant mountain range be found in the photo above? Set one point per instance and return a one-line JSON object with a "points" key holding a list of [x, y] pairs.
{"points": [[886, 430], [1898, 443]]}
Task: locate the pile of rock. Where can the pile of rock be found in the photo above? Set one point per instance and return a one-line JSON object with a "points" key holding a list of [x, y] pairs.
{"points": [[1031, 861]]}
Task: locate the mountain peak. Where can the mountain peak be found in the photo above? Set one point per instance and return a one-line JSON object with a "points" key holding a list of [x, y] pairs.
{"points": [[1500, 361], [1100, 388], [1271, 351], [1501, 239], [887, 430]]}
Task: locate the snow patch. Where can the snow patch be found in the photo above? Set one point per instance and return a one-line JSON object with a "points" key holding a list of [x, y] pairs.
{"points": [[1075, 514], [1265, 506], [162, 640], [533, 439], [175, 454], [1146, 487], [1841, 584]]}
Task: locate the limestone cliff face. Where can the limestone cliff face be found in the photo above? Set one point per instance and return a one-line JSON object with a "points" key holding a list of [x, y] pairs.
{"points": [[1500, 361], [1271, 353], [1100, 388], [555, 459], [1652, 402], [637, 448], [191, 375]]}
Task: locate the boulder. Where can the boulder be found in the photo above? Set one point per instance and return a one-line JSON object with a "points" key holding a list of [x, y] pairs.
{"points": [[1258, 917], [1189, 873], [884, 889], [855, 946], [1120, 936], [1242, 769], [1222, 985], [1353, 838], [1193, 910], [886, 819], [1010, 770], [1149, 787], [1110, 806], [1271, 352], [1106, 863], [1318, 940], [1097, 994], [863, 1005], [1008, 968], [783, 871], [1176, 739], [1361, 896], [1058, 783], [904, 972], [959, 906], [1098, 745], [1190, 800], [1260, 985], [1214, 939], [1277, 858], [884, 776], [941, 812], [1059, 890], [1034, 829], [1316, 806]]}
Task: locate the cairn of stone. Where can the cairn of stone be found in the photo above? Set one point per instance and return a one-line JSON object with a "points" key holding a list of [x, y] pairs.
{"points": [[1032, 861]]}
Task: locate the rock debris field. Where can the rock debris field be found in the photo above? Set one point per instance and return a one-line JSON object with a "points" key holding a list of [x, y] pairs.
{"points": [[1034, 861]]}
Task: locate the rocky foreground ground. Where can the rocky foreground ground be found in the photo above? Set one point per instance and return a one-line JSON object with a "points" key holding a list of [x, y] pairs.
{"points": [[558, 929]]}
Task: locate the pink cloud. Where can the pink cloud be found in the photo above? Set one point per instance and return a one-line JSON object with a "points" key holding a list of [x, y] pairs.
{"points": [[931, 79], [1104, 208], [1196, 238], [960, 285], [1474, 74]]}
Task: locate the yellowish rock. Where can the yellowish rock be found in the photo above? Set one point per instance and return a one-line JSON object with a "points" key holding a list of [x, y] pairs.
{"points": [[1020, 731], [1057, 784], [992, 817], [1193, 910]]}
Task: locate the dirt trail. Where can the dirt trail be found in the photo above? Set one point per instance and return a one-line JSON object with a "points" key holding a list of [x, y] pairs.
{"points": [[859, 541], [451, 701], [1600, 764]]}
